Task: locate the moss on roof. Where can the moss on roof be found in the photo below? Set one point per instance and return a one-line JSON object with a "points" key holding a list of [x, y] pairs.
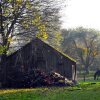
{"points": [[58, 50]]}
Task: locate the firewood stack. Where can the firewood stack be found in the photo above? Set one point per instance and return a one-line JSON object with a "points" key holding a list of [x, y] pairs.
{"points": [[38, 78]]}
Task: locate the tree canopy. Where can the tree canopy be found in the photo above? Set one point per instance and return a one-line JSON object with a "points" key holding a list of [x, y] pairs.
{"points": [[25, 19], [82, 44]]}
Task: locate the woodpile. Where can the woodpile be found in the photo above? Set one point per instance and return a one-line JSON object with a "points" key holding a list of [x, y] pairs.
{"points": [[38, 78]]}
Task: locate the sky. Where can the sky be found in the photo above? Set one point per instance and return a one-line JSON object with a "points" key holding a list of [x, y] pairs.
{"points": [[84, 13]]}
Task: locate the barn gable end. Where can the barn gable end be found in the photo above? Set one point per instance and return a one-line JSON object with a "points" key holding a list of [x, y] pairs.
{"points": [[39, 55]]}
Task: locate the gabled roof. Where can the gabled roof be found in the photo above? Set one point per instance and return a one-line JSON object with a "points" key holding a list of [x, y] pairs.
{"points": [[59, 51], [65, 55]]}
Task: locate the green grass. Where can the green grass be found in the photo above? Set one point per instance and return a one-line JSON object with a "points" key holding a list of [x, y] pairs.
{"points": [[83, 91]]}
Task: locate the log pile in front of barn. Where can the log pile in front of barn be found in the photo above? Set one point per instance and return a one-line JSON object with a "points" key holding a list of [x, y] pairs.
{"points": [[38, 78]]}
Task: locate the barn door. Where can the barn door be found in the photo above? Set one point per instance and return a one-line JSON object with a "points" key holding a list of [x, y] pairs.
{"points": [[73, 72]]}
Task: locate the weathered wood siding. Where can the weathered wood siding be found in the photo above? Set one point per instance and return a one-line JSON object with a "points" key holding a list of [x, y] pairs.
{"points": [[38, 54]]}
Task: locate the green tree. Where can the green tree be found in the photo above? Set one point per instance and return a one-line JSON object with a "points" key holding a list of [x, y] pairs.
{"points": [[82, 44], [21, 18]]}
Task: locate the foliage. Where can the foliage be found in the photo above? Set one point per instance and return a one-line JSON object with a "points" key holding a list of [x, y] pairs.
{"points": [[22, 19], [55, 40], [82, 44], [2, 49]]}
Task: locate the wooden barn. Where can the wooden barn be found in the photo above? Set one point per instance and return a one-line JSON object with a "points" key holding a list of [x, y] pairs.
{"points": [[39, 55]]}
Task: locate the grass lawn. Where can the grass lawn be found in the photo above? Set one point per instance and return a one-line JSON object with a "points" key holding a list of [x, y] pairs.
{"points": [[84, 91]]}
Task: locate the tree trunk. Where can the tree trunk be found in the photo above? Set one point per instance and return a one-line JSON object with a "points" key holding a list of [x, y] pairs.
{"points": [[86, 71], [3, 75], [84, 77]]}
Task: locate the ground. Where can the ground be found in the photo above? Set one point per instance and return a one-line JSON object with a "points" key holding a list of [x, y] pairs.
{"points": [[83, 91]]}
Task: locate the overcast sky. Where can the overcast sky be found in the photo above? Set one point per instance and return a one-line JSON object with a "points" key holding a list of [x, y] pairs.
{"points": [[84, 13]]}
